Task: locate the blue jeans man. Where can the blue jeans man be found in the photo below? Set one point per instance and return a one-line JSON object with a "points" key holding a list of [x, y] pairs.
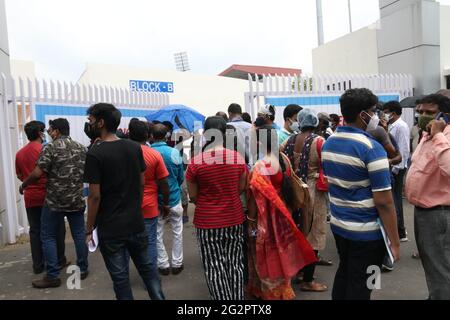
{"points": [[51, 221], [141, 247]]}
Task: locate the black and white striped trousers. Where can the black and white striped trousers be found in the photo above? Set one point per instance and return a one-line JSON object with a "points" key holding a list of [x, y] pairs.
{"points": [[222, 257]]}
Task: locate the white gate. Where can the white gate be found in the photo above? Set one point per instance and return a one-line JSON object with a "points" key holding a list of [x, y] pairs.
{"points": [[293, 89], [32, 99]]}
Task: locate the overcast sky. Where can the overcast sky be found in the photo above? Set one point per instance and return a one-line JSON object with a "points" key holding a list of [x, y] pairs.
{"points": [[61, 36]]}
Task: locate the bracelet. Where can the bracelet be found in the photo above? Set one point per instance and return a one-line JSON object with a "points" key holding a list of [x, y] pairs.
{"points": [[250, 219]]}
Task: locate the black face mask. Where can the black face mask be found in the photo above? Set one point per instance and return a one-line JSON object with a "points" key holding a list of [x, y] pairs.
{"points": [[92, 132], [260, 121]]}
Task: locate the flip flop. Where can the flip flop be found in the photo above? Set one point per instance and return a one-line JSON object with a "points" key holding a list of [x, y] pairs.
{"points": [[327, 263], [313, 287]]}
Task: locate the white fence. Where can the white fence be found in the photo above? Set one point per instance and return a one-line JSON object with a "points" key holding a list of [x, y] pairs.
{"points": [[322, 86], [31, 99]]}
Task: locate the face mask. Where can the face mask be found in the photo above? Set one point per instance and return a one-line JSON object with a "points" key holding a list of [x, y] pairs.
{"points": [[387, 117], [373, 123], [168, 136], [424, 121], [295, 127], [260, 121], [91, 131]]}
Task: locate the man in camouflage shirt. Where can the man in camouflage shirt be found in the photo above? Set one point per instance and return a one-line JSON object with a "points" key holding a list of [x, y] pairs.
{"points": [[62, 160]]}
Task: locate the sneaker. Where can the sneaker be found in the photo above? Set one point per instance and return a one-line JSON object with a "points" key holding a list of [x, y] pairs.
{"points": [[164, 272], [387, 267], [177, 270], [84, 275], [404, 239], [47, 282]]}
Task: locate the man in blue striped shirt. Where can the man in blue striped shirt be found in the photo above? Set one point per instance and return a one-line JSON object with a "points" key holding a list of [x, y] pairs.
{"points": [[357, 169]]}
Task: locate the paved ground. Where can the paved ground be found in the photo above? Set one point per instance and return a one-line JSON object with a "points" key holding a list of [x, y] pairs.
{"points": [[407, 282]]}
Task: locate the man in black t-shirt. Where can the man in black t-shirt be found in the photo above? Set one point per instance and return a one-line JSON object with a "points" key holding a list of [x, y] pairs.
{"points": [[115, 173]]}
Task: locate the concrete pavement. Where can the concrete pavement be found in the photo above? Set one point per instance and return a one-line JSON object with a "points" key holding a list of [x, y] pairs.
{"points": [[407, 282]]}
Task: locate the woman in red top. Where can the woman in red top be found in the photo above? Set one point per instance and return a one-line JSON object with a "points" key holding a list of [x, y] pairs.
{"points": [[216, 178], [277, 249]]}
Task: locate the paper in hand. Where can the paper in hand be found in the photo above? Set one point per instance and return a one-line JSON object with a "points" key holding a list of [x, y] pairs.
{"points": [[93, 244]]}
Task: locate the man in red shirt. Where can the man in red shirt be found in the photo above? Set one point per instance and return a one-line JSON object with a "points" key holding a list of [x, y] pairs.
{"points": [[34, 195], [156, 175]]}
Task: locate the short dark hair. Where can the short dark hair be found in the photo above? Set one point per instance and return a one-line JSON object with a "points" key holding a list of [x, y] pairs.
{"points": [[291, 110], [335, 117], [393, 106], [234, 108], [33, 128], [159, 131], [108, 113], [247, 117], [168, 125], [61, 124], [138, 131], [223, 115], [441, 101], [354, 101]]}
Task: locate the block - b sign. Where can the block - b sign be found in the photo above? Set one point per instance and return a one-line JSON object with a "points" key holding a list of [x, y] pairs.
{"points": [[151, 86]]}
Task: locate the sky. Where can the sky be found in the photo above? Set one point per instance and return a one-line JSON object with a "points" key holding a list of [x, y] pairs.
{"points": [[61, 36]]}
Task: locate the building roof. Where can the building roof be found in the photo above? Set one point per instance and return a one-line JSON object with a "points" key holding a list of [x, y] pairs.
{"points": [[242, 71]]}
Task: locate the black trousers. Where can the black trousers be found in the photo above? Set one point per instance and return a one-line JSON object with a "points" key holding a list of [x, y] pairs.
{"points": [[398, 200], [355, 257], [34, 219]]}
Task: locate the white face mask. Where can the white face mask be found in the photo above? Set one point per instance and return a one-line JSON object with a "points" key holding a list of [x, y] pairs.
{"points": [[387, 117], [373, 123], [295, 127]]}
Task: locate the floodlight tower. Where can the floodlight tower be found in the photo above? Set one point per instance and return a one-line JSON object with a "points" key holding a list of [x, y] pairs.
{"points": [[182, 61], [319, 22]]}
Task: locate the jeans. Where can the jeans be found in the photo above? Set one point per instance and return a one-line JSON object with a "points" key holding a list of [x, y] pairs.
{"points": [[355, 257], [398, 200], [37, 254], [176, 221], [116, 254], [151, 226], [51, 222]]}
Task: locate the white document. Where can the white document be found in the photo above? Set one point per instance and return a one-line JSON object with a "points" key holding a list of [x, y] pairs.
{"points": [[93, 244]]}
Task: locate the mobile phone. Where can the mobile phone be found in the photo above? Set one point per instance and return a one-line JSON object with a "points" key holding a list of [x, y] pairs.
{"points": [[442, 116]]}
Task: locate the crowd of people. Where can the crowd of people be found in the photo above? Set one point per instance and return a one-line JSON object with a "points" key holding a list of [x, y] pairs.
{"points": [[264, 196]]}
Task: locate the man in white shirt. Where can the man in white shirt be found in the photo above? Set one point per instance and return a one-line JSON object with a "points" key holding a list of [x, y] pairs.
{"points": [[400, 130], [243, 129]]}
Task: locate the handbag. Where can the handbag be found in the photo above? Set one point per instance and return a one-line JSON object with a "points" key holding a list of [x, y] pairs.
{"points": [[301, 199], [322, 183]]}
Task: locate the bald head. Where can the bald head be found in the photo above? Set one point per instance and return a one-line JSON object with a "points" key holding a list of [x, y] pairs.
{"points": [[159, 132]]}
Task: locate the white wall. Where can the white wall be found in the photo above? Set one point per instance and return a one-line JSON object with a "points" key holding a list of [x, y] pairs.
{"points": [[24, 69], [445, 42], [354, 53], [207, 94], [4, 146], [409, 41]]}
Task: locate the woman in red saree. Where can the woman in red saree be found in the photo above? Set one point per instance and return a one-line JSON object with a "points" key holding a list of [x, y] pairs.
{"points": [[277, 249]]}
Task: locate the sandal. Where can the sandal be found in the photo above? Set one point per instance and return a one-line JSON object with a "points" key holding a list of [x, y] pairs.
{"points": [[313, 287], [326, 263]]}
